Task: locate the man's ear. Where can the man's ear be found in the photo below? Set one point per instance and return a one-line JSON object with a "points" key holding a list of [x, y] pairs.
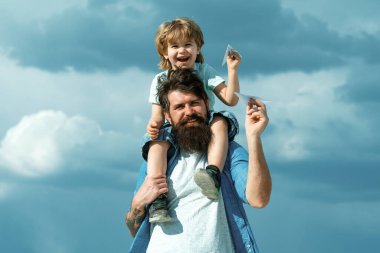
{"points": [[207, 105], [167, 116]]}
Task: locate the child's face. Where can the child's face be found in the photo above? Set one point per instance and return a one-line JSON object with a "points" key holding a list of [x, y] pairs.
{"points": [[182, 54]]}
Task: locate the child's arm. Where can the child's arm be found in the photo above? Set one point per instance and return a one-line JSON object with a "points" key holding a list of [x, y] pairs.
{"points": [[226, 93], [156, 121]]}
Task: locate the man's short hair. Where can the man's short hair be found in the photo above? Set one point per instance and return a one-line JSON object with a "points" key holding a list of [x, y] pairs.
{"points": [[183, 80]]}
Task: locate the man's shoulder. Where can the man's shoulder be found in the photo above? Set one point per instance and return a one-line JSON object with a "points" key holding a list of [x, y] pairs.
{"points": [[235, 147], [236, 152]]}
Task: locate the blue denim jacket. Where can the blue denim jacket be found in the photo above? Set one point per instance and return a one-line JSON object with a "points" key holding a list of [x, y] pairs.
{"points": [[233, 185]]}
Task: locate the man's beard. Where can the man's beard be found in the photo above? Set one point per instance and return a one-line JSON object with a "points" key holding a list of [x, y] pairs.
{"points": [[194, 138]]}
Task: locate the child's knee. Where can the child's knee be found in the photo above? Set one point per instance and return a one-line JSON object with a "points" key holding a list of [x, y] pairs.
{"points": [[219, 123], [159, 145]]}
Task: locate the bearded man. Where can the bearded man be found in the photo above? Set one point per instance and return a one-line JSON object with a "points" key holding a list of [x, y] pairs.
{"points": [[200, 224]]}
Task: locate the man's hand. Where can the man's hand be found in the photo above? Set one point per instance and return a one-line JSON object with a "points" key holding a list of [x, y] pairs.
{"points": [[151, 188], [256, 118], [153, 128]]}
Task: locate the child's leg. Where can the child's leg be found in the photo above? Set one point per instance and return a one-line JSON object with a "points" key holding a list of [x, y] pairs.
{"points": [[157, 158], [218, 147], [209, 179], [156, 167]]}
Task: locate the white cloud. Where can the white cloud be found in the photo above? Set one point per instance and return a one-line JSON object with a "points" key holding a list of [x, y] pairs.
{"points": [[111, 99], [117, 101], [37, 144], [307, 116]]}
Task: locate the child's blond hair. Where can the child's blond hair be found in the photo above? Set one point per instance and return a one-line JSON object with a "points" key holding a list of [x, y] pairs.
{"points": [[177, 30]]}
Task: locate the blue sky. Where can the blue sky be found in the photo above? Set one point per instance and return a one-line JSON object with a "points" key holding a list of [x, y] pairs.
{"points": [[74, 86]]}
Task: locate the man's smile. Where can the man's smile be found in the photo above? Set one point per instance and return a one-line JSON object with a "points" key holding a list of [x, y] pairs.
{"points": [[192, 120]]}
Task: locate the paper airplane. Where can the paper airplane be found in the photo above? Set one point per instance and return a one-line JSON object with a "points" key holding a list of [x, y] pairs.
{"points": [[245, 98], [229, 49]]}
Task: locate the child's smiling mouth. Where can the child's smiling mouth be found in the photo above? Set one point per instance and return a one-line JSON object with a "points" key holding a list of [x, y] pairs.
{"points": [[183, 59]]}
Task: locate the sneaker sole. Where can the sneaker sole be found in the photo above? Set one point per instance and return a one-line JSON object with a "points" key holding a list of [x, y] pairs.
{"points": [[160, 219], [161, 216], [206, 183]]}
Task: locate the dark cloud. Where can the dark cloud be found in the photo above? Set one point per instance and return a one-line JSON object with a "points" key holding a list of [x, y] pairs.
{"points": [[49, 221], [332, 180], [303, 225], [362, 86], [362, 91], [11, 233], [85, 40], [271, 39]]}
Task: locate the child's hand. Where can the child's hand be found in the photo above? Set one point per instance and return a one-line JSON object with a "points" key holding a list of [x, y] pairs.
{"points": [[153, 128], [233, 60]]}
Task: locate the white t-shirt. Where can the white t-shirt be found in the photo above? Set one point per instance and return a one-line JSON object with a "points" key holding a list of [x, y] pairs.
{"points": [[199, 224]]}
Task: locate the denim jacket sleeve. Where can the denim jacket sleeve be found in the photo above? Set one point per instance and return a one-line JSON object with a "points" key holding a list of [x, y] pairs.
{"points": [[141, 239], [141, 177], [234, 181], [237, 159]]}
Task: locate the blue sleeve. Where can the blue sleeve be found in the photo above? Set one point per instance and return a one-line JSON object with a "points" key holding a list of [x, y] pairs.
{"points": [[239, 169], [212, 77], [141, 177]]}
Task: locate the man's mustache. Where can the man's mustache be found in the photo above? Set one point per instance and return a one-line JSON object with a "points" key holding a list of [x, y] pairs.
{"points": [[192, 117]]}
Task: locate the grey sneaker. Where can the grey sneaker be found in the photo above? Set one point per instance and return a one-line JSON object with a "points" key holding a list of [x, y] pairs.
{"points": [[158, 211], [209, 181]]}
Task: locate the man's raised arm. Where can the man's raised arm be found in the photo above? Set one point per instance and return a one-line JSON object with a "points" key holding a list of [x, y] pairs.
{"points": [[259, 184]]}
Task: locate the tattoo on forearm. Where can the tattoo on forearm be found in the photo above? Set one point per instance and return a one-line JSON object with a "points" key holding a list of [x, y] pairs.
{"points": [[139, 216], [134, 219], [136, 212], [130, 222]]}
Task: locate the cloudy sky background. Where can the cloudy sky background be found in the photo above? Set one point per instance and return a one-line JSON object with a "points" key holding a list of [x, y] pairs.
{"points": [[74, 83]]}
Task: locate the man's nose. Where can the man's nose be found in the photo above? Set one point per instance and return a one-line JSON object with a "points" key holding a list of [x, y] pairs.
{"points": [[189, 110]]}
